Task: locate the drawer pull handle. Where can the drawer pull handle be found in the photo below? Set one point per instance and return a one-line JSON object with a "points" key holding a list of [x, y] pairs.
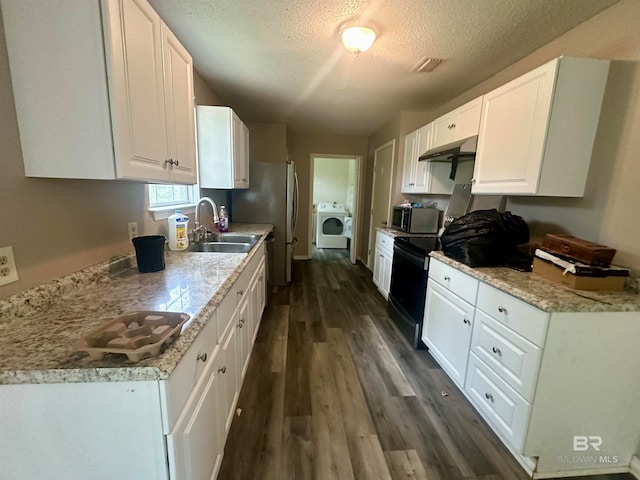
{"points": [[501, 309], [446, 278], [240, 323], [467, 322], [240, 292], [488, 396], [202, 356], [222, 369], [496, 351]]}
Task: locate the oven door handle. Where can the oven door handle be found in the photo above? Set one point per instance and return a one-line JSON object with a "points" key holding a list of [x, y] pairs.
{"points": [[415, 259]]}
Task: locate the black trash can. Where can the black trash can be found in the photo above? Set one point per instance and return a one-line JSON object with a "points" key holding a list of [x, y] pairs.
{"points": [[149, 252]]}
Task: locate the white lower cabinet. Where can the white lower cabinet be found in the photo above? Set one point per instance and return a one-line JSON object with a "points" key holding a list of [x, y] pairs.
{"points": [[171, 429], [447, 330], [539, 379], [383, 263]]}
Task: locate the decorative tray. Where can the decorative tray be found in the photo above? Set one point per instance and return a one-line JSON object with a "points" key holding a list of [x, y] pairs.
{"points": [[137, 334]]}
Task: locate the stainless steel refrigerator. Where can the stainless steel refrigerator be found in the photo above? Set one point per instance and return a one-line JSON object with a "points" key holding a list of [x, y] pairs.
{"points": [[271, 198]]}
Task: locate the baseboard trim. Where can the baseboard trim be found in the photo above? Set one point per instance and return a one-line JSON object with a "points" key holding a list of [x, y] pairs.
{"points": [[301, 257], [634, 468]]}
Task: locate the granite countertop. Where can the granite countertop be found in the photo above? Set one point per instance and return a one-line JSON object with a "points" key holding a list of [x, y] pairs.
{"points": [[545, 294], [36, 335]]}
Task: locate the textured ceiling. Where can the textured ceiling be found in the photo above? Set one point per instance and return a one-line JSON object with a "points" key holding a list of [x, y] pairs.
{"points": [[281, 60]]}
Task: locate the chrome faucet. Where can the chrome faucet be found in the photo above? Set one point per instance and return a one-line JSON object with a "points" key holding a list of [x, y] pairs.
{"points": [[199, 230]]}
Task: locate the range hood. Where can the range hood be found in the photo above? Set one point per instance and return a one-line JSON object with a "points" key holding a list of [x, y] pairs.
{"points": [[454, 152]]}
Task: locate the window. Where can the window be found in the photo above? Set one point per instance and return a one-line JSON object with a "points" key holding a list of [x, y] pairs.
{"points": [[164, 199], [170, 195]]}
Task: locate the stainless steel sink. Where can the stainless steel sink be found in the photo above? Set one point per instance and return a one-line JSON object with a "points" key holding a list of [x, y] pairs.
{"points": [[235, 238], [222, 247]]}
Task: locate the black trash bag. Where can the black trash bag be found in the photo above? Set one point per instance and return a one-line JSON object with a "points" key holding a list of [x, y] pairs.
{"points": [[484, 237]]}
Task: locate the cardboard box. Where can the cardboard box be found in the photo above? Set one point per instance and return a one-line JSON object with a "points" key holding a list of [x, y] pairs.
{"points": [[555, 273]]}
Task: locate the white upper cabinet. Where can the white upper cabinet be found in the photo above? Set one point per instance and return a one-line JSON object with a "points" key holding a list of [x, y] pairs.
{"points": [[537, 131], [428, 177], [103, 90], [223, 148], [461, 123]]}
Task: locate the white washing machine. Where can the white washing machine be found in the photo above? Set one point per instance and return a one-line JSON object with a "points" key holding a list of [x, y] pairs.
{"points": [[330, 226]]}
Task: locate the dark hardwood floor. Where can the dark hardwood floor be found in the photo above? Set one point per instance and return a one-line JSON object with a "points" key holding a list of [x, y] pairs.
{"points": [[334, 392]]}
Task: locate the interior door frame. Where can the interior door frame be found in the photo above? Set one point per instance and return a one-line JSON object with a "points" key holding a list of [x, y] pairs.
{"points": [[356, 214], [372, 228]]}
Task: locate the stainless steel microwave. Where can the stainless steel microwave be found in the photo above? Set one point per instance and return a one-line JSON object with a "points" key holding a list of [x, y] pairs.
{"points": [[416, 220]]}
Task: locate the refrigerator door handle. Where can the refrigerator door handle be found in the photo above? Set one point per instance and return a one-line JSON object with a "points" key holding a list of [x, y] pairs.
{"points": [[296, 199]]}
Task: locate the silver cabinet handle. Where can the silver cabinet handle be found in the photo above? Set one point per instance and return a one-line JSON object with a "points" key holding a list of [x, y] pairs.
{"points": [[488, 396], [496, 351], [202, 356], [501, 309], [222, 369], [467, 322]]}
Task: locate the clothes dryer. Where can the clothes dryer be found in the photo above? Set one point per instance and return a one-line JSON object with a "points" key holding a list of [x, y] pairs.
{"points": [[330, 226]]}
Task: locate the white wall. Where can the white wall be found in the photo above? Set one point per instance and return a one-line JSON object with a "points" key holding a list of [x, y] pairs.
{"points": [[331, 178]]}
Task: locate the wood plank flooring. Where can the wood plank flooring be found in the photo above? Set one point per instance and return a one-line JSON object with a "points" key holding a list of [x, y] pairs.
{"points": [[334, 392]]}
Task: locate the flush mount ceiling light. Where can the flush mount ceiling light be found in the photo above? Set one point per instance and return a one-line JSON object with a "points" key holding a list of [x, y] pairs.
{"points": [[357, 38]]}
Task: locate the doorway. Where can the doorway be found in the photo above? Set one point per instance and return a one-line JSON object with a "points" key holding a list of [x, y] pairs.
{"points": [[335, 182], [383, 160]]}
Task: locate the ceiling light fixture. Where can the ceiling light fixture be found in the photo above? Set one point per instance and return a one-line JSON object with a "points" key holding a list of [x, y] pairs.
{"points": [[357, 38]]}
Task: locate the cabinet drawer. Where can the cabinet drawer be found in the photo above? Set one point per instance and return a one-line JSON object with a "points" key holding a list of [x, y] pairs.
{"points": [[524, 319], [186, 374], [505, 410], [513, 358], [384, 242], [463, 285]]}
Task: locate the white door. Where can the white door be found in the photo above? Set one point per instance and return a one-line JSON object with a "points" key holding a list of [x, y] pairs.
{"points": [[447, 330], [381, 194]]}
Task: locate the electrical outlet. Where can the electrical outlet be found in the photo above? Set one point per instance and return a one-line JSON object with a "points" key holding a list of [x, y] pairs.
{"points": [[8, 271], [133, 229]]}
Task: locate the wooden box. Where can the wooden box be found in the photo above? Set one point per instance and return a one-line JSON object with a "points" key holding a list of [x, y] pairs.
{"points": [[577, 249], [556, 274]]}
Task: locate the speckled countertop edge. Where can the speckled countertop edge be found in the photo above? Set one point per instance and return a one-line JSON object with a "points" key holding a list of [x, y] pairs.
{"points": [[81, 369], [545, 294]]}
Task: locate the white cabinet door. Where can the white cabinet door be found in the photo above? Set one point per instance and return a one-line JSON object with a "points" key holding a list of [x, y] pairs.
{"points": [[196, 441], [408, 166], [461, 123], [227, 366], [537, 131], [245, 334], [223, 148], [422, 170], [447, 330], [378, 268], [181, 141], [137, 91], [386, 276]]}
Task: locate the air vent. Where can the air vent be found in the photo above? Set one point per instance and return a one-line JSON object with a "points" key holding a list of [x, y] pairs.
{"points": [[426, 64]]}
